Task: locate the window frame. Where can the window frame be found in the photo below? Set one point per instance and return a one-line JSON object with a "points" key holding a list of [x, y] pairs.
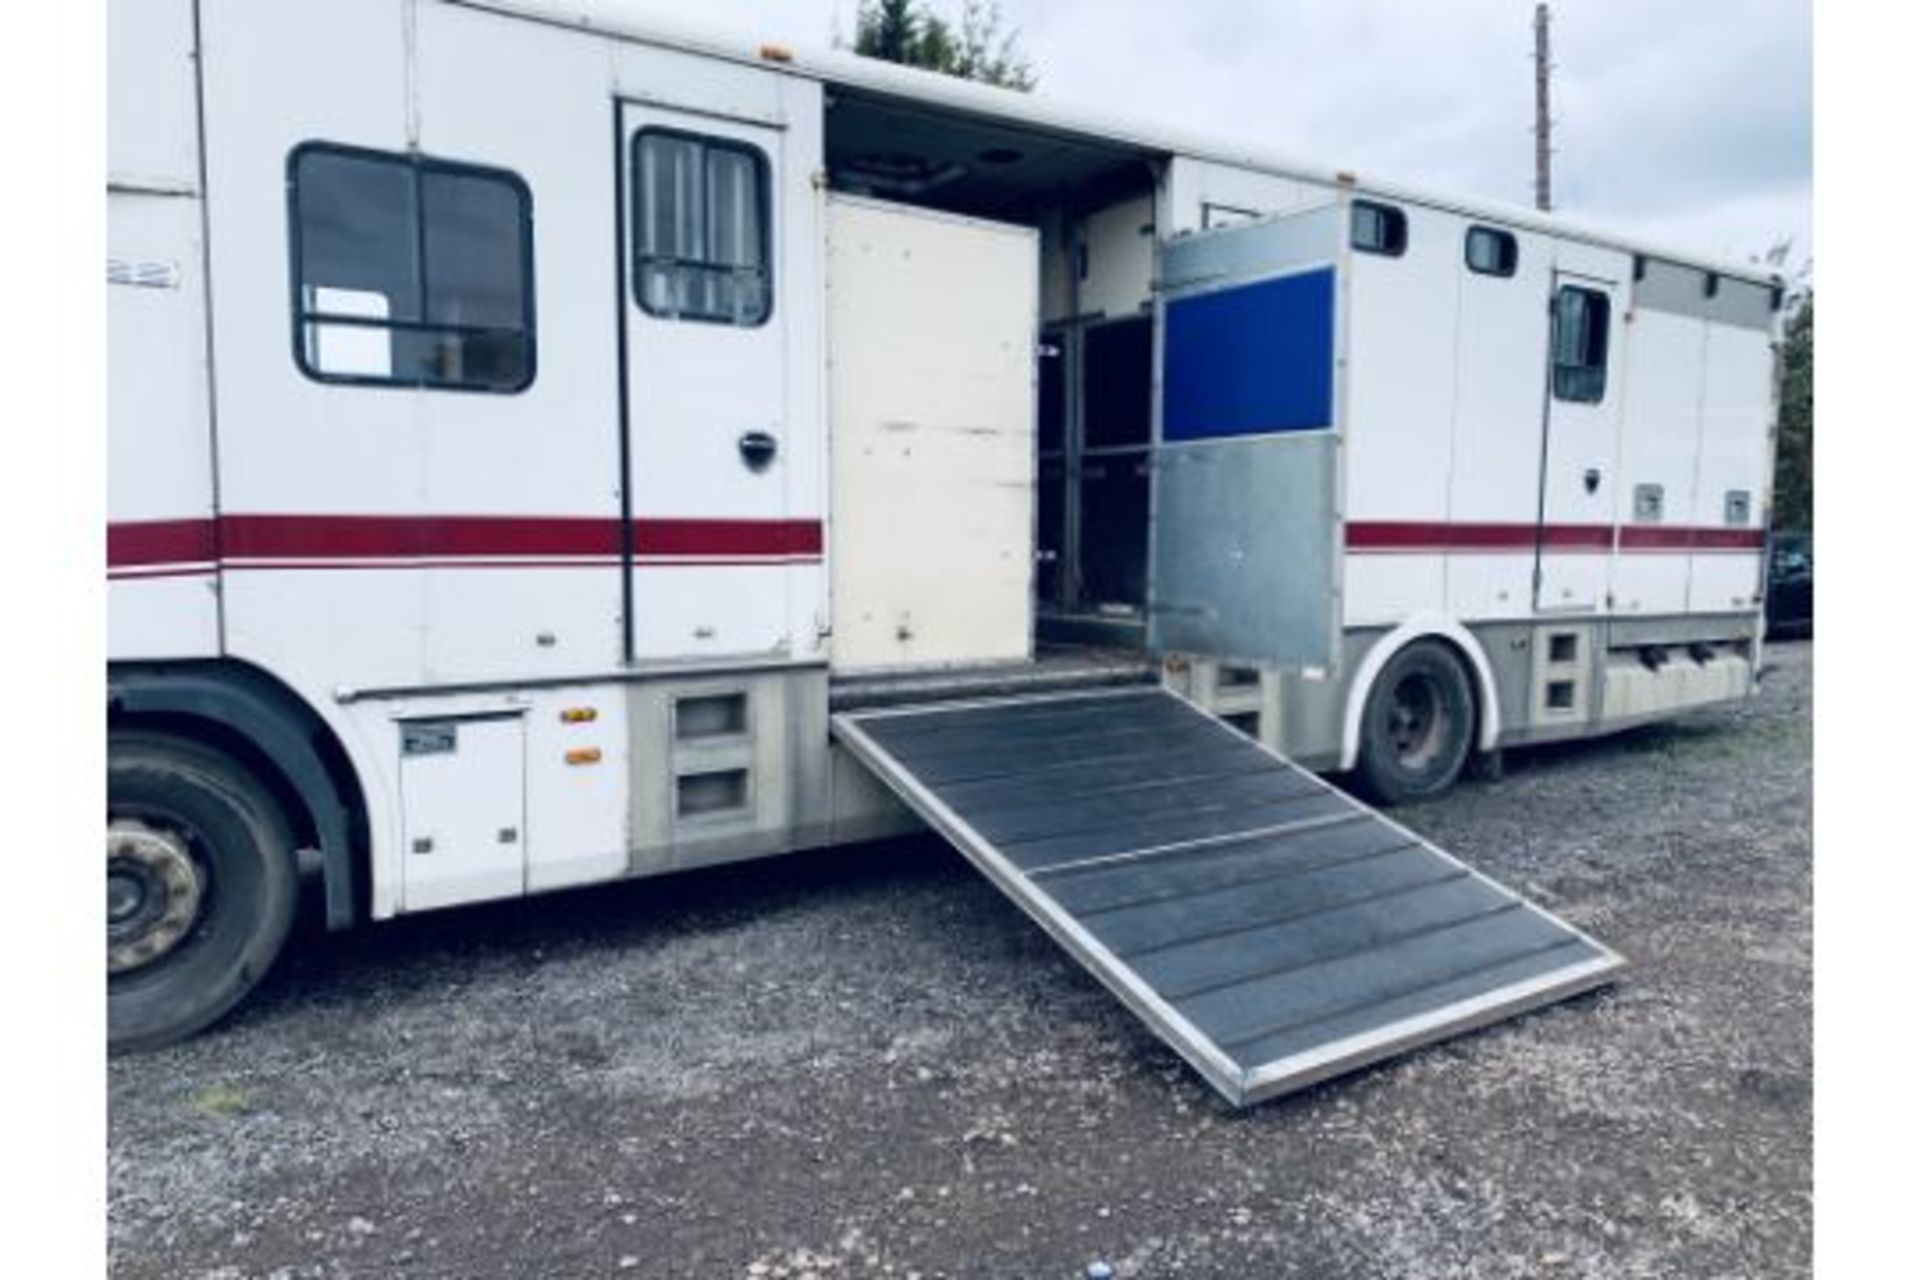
{"points": [[1499, 233], [1395, 217], [762, 166], [1606, 345], [417, 164]]}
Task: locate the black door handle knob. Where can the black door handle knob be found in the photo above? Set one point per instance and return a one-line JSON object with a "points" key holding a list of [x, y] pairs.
{"points": [[757, 450]]}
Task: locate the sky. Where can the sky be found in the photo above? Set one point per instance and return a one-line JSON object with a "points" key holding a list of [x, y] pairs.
{"points": [[1682, 123]]}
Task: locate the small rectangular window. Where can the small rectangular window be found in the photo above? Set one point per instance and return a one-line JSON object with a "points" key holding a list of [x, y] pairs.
{"points": [[1580, 320], [409, 271], [1491, 252], [1379, 228], [700, 233]]}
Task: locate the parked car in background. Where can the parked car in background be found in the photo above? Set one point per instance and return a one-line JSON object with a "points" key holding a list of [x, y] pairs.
{"points": [[1790, 586]]}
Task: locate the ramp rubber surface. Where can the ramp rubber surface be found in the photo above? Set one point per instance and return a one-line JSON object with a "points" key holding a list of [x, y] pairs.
{"points": [[1268, 927]]}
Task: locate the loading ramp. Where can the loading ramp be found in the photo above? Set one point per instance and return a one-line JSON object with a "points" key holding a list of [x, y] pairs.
{"points": [[1267, 926]]}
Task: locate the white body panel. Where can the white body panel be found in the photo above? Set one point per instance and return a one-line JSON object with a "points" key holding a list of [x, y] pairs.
{"points": [[1401, 361], [1736, 415], [1493, 480], [152, 119], [1202, 194], [161, 601], [694, 389], [1118, 240], [1659, 453], [292, 446], [932, 429]]}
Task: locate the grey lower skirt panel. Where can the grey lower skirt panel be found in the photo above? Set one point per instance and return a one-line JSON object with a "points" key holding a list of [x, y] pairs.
{"points": [[1268, 927]]}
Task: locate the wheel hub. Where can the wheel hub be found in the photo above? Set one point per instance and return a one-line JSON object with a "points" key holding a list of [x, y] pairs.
{"points": [[155, 891], [1414, 719]]}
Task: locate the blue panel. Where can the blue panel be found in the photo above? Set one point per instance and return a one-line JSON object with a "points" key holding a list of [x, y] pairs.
{"points": [[1251, 359]]}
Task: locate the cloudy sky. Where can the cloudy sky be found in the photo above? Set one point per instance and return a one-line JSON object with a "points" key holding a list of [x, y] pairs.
{"points": [[1689, 124]]}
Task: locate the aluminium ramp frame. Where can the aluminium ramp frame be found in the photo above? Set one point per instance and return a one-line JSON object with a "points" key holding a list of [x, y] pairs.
{"points": [[1268, 927]]}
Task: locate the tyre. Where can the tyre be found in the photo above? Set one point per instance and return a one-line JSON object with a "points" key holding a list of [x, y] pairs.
{"points": [[201, 885], [1417, 728]]}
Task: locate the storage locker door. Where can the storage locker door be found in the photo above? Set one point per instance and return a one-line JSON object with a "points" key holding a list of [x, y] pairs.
{"points": [[463, 803], [1245, 523]]}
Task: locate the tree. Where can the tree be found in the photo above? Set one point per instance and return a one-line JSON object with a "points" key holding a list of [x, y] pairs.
{"points": [[911, 33], [1793, 450]]}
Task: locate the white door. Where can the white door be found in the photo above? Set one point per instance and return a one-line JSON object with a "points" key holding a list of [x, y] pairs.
{"points": [[706, 326], [1575, 537]]}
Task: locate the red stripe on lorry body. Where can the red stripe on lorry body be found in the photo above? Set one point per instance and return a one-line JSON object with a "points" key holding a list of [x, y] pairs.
{"points": [[1434, 537], [413, 537], [135, 543], [317, 540], [1418, 535], [1667, 538]]}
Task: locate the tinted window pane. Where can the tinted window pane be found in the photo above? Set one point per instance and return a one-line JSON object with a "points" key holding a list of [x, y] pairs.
{"points": [[734, 207], [1580, 320], [356, 226], [411, 272], [700, 234], [440, 356], [1491, 252], [475, 275], [668, 200], [1379, 228]]}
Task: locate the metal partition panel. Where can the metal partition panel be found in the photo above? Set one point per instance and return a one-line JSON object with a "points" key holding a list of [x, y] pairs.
{"points": [[1244, 551], [1244, 539], [1270, 929]]}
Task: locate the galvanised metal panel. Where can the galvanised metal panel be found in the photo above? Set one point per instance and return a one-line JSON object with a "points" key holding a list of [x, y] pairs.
{"points": [[1294, 240], [1269, 928], [1244, 550]]}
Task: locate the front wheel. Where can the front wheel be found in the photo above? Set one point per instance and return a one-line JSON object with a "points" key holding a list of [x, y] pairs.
{"points": [[1417, 728], [201, 886]]}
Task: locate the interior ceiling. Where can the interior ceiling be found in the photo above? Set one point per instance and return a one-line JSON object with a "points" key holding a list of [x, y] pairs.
{"points": [[906, 150]]}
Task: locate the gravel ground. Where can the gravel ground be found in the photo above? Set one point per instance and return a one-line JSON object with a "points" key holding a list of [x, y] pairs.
{"points": [[867, 1063]]}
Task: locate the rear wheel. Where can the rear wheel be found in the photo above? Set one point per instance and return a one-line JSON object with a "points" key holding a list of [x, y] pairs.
{"points": [[201, 886], [1418, 724]]}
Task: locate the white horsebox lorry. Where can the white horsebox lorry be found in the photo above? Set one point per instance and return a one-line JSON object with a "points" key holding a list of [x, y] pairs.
{"points": [[550, 447]]}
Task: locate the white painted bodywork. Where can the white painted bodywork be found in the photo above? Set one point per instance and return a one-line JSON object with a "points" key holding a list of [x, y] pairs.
{"points": [[1659, 446], [693, 389], [1736, 415], [159, 470], [217, 434], [932, 436]]}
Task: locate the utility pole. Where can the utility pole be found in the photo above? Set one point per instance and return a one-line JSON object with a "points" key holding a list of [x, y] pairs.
{"points": [[1542, 118]]}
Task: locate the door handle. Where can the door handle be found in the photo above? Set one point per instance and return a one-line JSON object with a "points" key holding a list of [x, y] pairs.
{"points": [[1591, 479], [757, 450]]}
